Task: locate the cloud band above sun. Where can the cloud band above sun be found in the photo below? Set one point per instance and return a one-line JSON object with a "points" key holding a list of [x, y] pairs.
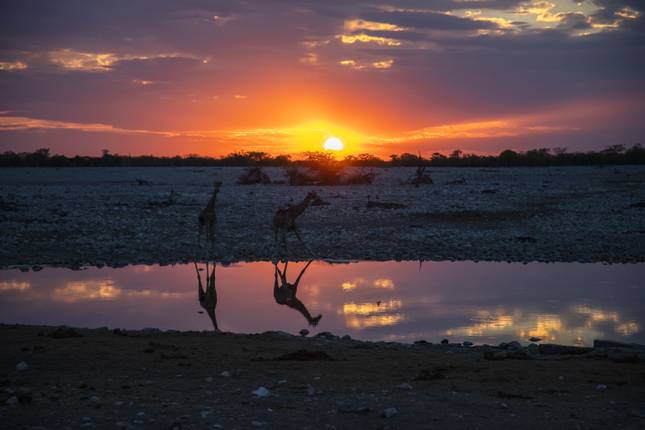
{"points": [[211, 77]]}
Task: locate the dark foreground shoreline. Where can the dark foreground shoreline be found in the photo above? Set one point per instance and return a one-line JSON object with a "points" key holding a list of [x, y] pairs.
{"points": [[73, 378]]}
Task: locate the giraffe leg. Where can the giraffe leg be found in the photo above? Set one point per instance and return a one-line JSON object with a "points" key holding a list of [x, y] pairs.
{"points": [[301, 241]]}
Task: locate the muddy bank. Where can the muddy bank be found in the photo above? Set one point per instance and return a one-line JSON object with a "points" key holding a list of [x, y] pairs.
{"points": [[60, 378], [78, 217]]}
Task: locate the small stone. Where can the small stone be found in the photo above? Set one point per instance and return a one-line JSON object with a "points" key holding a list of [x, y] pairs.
{"points": [[257, 423], [204, 414], [225, 374], [311, 391], [503, 405], [261, 392], [95, 400], [533, 349], [304, 332], [444, 342], [467, 343], [13, 400], [601, 387], [404, 386], [511, 346], [209, 379], [390, 412], [535, 339], [22, 366]]}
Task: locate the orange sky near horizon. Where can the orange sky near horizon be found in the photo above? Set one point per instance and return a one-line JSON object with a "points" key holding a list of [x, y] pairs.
{"points": [[210, 78]]}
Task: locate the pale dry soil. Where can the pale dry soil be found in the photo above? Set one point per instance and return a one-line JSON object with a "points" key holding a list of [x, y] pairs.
{"points": [[85, 217], [157, 380]]}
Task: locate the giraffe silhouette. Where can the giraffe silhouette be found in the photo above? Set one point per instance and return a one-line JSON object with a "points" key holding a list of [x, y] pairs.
{"points": [[286, 293], [208, 297], [284, 221]]}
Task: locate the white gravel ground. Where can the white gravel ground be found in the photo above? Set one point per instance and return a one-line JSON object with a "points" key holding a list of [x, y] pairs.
{"points": [[82, 216]]}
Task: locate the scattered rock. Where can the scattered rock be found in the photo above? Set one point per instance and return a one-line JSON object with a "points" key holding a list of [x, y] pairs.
{"points": [[459, 181], [526, 239], [261, 392], [444, 342], [510, 346], [361, 410], [553, 349], [304, 332], [13, 400], [495, 355], [405, 386], [304, 355], [505, 395], [385, 205], [533, 349], [535, 339], [390, 412], [225, 374], [24, 399], [22, 366], [467, 344], [326, 335], [429, 375], [613, 344]]}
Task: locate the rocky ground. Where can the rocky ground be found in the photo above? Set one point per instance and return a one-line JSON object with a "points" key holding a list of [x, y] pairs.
{"points": [[76, 217], [72, 378]]}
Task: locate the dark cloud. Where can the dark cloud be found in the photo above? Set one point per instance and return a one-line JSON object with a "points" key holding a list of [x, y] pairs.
{"points": [[177, 55]]}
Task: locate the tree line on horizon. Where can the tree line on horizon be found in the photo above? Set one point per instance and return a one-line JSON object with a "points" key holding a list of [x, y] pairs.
{"points": [[615, 154]]}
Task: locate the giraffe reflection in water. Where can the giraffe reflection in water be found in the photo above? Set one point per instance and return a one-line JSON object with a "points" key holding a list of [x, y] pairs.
{"points": [[208, 297], [285, 293]]}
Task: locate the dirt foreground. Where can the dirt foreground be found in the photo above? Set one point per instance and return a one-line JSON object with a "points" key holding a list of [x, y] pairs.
{"points": [[73, 378]]}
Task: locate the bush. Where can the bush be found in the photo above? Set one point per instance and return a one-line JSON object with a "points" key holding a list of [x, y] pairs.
{"points": [[252, 176]]}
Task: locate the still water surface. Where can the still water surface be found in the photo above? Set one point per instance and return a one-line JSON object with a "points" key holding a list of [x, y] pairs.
{"points": [[404, 301]]}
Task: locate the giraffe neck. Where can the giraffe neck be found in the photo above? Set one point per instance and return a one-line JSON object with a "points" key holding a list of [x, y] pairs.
{"points": [[211, 202], [300, 208]]}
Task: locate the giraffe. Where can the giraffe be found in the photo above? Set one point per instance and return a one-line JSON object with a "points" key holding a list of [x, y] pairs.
{"points": [[208, 298], [285, 293], [208, 218], [285, 218]]}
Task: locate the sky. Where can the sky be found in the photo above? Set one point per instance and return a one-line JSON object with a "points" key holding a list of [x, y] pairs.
{"points": [[170, 77]]}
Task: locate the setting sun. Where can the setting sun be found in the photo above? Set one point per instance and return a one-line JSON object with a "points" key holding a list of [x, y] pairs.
{"points": [[333, 144]]}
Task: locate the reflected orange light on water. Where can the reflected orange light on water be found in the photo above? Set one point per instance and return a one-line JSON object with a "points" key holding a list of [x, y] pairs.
{"points": [[369, 300]]}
